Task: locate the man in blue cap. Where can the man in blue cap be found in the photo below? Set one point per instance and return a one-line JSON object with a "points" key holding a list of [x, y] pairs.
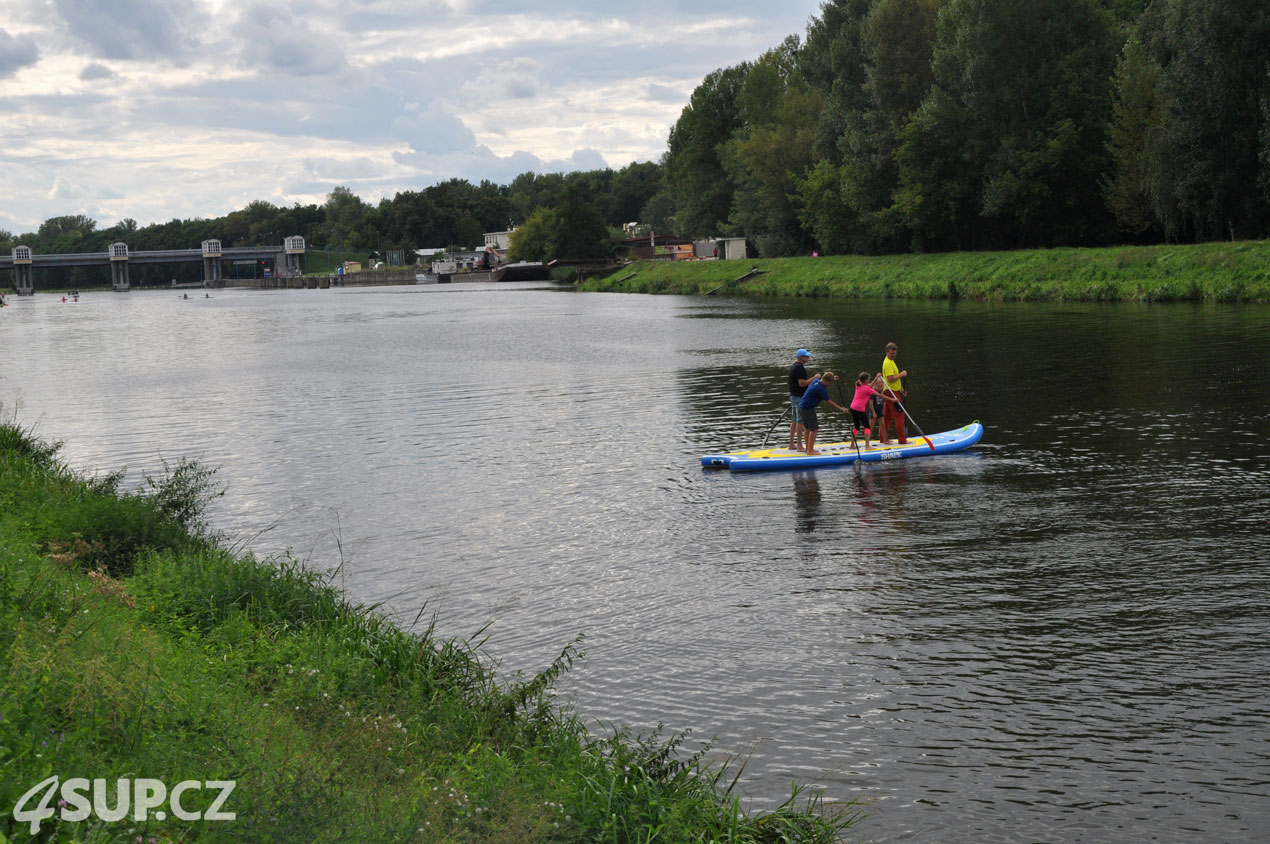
{"points": [[798, 381]]}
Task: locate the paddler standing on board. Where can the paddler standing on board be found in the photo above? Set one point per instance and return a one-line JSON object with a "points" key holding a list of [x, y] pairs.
{"points": [[892, 379], [798, 381], [817, 391]]}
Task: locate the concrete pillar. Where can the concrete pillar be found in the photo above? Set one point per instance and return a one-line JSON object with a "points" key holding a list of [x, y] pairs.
{"points": [[119, 268], [211, 268], [23, 277]]}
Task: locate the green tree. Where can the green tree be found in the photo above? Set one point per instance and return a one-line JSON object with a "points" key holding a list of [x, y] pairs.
{"points": [[1215, 60], [533, 239], [345, 216], [469, 233], [1139, 188], [694, 170], [1017, 118], [579, 230]]}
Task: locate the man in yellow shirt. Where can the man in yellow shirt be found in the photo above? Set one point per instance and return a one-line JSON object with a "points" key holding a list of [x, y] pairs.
{"points": [[892, 377]]}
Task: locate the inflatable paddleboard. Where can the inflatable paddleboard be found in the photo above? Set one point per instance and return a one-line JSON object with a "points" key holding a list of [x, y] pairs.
{"points": [[833, 454]]}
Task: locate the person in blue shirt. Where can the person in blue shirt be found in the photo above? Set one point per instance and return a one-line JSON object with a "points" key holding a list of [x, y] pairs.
{"points": [[817, 391]]}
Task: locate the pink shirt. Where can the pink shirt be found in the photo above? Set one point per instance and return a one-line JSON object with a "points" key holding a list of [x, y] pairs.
{"points": [[861, 399]]}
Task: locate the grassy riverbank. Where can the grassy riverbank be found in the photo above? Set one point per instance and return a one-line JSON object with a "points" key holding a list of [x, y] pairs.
{"points": [[1212, 272], [134, 645]]}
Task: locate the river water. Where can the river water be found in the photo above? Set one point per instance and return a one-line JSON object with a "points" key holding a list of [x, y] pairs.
{"points": [[1060, 635]]}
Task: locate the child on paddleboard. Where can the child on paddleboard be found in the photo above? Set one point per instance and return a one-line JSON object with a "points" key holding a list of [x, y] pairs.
{"points": [[862, 406]]}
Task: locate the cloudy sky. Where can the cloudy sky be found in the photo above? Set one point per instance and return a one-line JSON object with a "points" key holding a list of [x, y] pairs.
{"points": [[154, 109]]}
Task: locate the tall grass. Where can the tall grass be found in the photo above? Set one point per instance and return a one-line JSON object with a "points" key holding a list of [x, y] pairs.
{"points": [[132, 644], [1212, 272]]}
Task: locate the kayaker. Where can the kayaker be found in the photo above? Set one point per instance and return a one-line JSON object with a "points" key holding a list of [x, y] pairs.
{"points": [[817, 391], [798, 381], [893, 411]]}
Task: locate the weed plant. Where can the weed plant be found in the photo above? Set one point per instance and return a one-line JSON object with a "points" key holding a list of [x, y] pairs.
{"points": [[133, 644]]}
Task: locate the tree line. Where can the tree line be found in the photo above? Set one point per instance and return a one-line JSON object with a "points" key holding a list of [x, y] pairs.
{"points": [[933, 125], [890, 126], [581, 214]]}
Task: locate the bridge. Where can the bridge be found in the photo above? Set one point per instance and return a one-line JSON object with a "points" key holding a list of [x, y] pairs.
{"points": [[286, 261]]}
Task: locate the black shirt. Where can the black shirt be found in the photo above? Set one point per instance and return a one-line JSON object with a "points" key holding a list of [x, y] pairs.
{"points": [[797, 373]]}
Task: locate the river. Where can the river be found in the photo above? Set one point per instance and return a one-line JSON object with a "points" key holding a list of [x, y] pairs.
{"points": [[1060, 635]]}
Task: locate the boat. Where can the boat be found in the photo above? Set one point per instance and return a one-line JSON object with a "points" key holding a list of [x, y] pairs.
{"points": [[836, 454]]}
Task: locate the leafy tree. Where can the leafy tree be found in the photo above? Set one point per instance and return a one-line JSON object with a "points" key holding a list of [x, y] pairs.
{"points": [[1215, 59], [632, 188], [1010, 142], [1138, 191], [659, 212], [833, 62], [822, 209], [469, 233], [694, 170], [579, 230], [533, 239], [345, 215], [767, 158]]}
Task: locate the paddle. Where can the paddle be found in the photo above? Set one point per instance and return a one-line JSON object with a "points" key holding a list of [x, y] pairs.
{"points": [[778, 421], [909, 416]]}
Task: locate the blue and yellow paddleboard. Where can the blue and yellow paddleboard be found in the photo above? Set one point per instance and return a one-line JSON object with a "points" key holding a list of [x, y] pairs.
{"points": [[833, 454]]}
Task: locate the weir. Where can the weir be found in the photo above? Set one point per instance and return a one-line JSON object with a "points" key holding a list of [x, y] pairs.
{"points": [[287, 261]]}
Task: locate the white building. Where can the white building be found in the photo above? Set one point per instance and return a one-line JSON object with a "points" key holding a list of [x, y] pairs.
{"points": [[499, 241]]}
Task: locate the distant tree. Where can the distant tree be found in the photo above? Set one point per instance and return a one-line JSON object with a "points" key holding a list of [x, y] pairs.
{"points": [[579, 230], [823, 211], [533, 239], [658, 212], [530, 191], [345, 215], [469, 233], [1009, 145], [695, 175], [1215, 61], [768, 158], [632, 188], [1139, 188], [833, 62]]}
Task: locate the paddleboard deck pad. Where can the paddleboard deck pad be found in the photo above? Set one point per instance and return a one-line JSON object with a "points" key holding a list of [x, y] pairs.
{"points": [[834, 454]]}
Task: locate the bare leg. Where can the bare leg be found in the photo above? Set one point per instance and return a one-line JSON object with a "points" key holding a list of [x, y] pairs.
{"points": [[811, 442]]}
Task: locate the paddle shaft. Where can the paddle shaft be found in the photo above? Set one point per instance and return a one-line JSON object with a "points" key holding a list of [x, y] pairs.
{"points": [[907, 415], [778, 421]]}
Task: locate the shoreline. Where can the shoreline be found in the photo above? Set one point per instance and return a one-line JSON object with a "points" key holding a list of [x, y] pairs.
{"points": [[1237, 272], [133, 644]]}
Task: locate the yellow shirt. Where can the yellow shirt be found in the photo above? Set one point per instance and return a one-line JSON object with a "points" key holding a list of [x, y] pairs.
{"points": [[891, 375]]}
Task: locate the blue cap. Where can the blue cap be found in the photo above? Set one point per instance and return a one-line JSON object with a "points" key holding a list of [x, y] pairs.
{"points": [[802, 353]]}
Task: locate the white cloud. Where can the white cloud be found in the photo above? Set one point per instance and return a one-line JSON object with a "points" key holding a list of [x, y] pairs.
{"points": [[155, 109]]}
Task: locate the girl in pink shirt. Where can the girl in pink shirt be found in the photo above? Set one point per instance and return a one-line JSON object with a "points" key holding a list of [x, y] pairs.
{"points": [[860, 402]]}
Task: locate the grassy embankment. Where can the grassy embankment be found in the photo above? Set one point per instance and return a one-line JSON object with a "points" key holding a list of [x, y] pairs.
{"points": [[132, 644], [1211, 272]]}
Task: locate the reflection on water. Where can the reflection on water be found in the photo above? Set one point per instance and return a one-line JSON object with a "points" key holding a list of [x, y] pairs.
{"points": [[1058, 634]]}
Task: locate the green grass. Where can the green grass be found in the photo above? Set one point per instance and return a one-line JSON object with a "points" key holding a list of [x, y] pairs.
{"points": [[133, 645], [1213, 272]]}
